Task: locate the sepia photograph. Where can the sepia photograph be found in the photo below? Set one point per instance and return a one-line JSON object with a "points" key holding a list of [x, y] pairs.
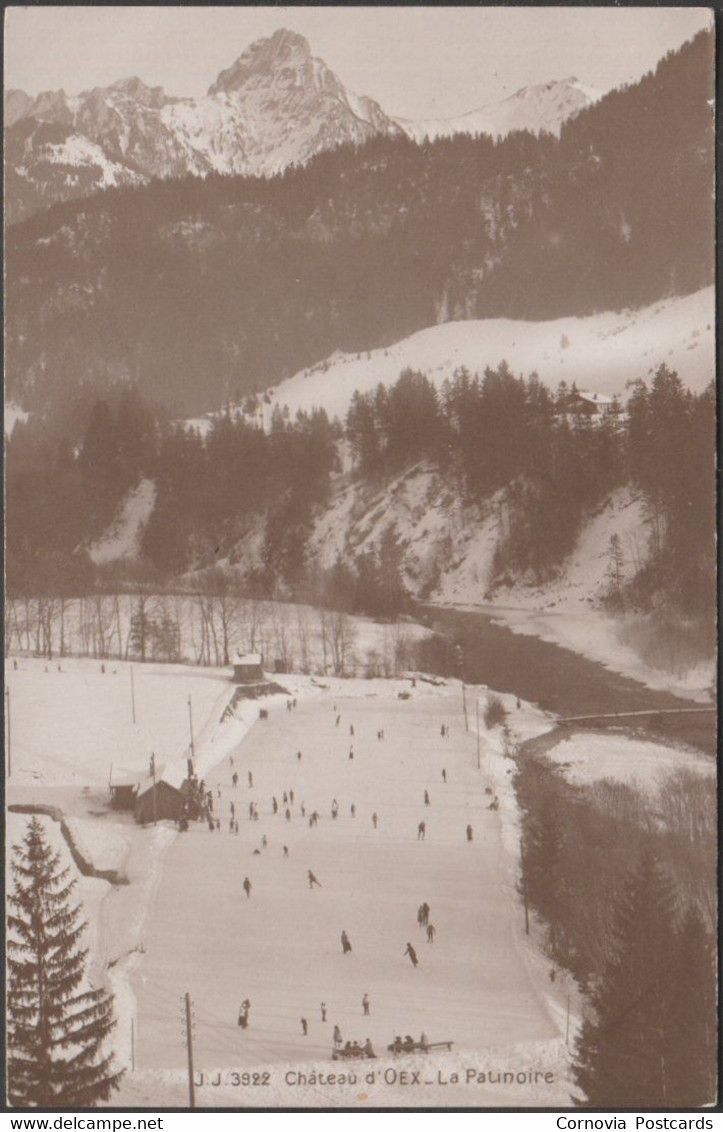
{"points": [[360, 590]]}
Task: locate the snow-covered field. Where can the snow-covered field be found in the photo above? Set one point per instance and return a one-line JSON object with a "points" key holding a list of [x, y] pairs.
{"points": [[589, 757], [601, 353], [69, 727]]}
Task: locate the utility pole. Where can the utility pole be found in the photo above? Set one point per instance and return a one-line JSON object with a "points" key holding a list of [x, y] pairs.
{"points": [[153, 775], [133, 696], [7, 712], [524, 888], [189, 1047], [190, 724], [478, 751]]}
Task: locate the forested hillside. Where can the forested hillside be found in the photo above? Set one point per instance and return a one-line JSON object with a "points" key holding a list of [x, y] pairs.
{"points": [[269, 505], [200, 290]]}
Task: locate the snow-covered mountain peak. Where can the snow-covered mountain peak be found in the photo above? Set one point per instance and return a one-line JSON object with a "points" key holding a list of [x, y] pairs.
{"points": [[542, 108], [284, 51]]}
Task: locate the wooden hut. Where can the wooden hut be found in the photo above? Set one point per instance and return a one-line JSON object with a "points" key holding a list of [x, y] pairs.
{"points": [[124, 788], [161, 796], [247, 669]]}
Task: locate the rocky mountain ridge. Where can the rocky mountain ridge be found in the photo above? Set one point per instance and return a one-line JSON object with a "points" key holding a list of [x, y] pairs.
{"points": [[277, 105]]}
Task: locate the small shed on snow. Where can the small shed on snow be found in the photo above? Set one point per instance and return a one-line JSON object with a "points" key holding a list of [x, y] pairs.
{"points": [[247, 669], [163, 795], [124, 788]]}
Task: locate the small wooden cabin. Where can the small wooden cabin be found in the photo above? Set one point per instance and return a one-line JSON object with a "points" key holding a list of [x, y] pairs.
{"points": [[247, 669], [162, 797], [124, 788]]}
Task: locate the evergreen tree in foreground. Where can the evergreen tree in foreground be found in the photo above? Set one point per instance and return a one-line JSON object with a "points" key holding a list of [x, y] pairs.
{"points": [[56, 1030], [636, 1050]]}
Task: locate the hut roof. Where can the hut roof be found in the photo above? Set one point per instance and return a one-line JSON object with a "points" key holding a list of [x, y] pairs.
{"points": [[121, 776], [249, 658], [173, 774], [594, 398]]}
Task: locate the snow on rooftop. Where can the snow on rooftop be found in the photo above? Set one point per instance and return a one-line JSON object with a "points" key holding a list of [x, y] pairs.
{"points": [[595, 398], [248, 658]]}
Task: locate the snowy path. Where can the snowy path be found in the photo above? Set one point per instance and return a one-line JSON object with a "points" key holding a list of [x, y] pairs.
{"points": [[281, 948]]}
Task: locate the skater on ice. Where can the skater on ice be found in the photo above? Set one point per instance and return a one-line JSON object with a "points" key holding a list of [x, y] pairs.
{"points": [[323, 1013], [234, 778], [365, 1004], [444, 775], [286, 850], [375, 819], [345, 944], [409, 950], [251, 779], [312, 879], [304, 1027], [337, 1032], [431, 933], [353, 810], [421, 831], [426, 798], [470, 833], [334, 808], [274, 805], [247, 886]]}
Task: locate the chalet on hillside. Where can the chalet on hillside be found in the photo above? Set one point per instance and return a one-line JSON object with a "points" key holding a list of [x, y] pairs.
{"points": [[588, 404], [247, 669]]}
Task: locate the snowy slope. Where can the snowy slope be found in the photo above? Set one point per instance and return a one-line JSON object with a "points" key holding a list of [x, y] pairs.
{"points": [[447, 549], [600, 352], [541, 108], [122, 539]]}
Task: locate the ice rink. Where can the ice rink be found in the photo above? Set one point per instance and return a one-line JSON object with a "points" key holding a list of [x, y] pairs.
{"points": [[281, 948]]}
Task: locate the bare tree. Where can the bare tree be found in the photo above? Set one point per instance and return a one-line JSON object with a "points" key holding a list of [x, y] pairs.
{"points": [[303, 638], [342, 634], [283, 646]]}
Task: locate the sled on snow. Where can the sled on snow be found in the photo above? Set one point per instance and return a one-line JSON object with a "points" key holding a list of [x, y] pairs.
{"points": [[400, 1045], [351, 1053]]}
